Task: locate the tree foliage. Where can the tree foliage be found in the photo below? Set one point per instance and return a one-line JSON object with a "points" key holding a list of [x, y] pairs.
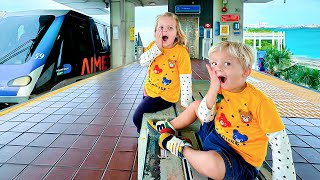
{"points": [[277, 61]]}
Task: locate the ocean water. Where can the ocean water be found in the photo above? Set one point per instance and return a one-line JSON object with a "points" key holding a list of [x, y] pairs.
{"points": [[304, 42]]}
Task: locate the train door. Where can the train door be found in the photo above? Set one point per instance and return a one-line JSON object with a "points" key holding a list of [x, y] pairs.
{"points": [[102, 47], [76, 47]]}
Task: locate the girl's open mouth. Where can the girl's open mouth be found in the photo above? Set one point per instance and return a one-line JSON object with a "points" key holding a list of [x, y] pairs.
{"points": [[164, 38]]}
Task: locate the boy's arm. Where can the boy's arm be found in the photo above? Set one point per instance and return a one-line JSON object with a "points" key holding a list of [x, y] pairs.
{"points": [[204, 113], [282, 163], [147, 57], [186, 89]]}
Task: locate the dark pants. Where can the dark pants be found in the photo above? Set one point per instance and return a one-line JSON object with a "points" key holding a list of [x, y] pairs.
{"points": [[149, 105], [236, 167]]}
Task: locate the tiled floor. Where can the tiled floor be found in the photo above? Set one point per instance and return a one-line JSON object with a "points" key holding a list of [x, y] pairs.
{"points": [[85, 131]]}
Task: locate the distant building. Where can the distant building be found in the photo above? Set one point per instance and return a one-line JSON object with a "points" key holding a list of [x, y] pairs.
{"points": [[259, 25]]}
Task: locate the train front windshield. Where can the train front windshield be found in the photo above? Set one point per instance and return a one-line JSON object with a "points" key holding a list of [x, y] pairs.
{"points": [[18, 35]]}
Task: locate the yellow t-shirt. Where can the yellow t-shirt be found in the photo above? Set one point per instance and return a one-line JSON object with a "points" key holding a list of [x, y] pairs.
{"points": [[164, 73], [243, 120]]}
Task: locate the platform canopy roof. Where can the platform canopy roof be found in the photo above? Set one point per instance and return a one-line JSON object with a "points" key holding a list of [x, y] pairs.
{"points": [[100, 7]]}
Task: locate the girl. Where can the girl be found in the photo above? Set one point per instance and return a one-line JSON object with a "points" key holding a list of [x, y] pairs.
{"points": [[169, 72]]}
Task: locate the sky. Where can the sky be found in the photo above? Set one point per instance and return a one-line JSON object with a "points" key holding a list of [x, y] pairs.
{"points": [[274, 13]]}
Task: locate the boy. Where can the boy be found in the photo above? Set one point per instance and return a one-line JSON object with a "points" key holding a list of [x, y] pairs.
{"points": [[237, 122]]}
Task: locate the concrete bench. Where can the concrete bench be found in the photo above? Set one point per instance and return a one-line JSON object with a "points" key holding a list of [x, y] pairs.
{"points": [[154, 163]]}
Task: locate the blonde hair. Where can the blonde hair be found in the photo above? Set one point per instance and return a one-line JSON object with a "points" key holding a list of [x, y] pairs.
{"points": [[241, 51], [181, 39]]}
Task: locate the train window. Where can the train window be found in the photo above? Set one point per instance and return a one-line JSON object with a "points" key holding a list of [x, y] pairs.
{"points": [[77, 44], [81, 38], [18, 34], [103, 37]]}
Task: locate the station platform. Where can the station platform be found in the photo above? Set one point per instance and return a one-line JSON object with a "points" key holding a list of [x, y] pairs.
{"points": [[85, 130]]}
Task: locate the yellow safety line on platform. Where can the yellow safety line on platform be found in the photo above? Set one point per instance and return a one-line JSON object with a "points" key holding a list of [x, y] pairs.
{"points": [[54, 92], [301, 92], [293, 100]]}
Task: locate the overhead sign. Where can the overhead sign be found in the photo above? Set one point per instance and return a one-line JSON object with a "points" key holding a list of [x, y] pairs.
{"points": [[229, 17], [187, 9]]}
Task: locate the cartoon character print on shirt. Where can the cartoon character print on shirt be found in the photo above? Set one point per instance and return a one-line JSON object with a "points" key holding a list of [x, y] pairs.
{"points": [[166, 81], [172, 63], [238, 137], [157, 70], [224, 121], [246, 117]]}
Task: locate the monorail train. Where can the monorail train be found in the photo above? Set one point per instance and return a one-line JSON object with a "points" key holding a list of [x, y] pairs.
{"points": [[40, 48]]}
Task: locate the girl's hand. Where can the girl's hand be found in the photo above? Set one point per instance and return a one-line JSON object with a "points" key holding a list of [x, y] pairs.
{"points": [[214, 80], [158, 36]]}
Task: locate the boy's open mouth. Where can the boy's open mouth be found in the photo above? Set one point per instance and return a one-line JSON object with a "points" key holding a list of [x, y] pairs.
{"points": [[164, 38], [222, 79]]}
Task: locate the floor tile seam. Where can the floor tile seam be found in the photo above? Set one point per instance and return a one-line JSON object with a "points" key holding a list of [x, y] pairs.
{"points": [[60, 158], [133, 164], [312, 164], [85, 157], [44, 148], [197, 75], [21, 133], [113, 151], [310, 146], [54, 165], [6, 162], [27, 165], [307, 162], [111, 155], [42, 97]]}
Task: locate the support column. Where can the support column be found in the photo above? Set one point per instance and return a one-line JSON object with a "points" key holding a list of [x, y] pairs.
{"points": [[217, 6], [234, 7], [122, 18], [130, 28], [117, 18]]}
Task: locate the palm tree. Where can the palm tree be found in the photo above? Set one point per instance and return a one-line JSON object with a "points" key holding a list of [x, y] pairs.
{"points": [[277, 61], [308, 77]]}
